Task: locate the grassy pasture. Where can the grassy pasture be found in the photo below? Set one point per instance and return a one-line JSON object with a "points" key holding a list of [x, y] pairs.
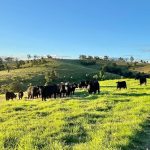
{"points": [[113, 120]]}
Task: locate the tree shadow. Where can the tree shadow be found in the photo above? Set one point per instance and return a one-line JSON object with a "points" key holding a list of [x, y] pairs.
{"points": [[131, 94], [141, 139]]}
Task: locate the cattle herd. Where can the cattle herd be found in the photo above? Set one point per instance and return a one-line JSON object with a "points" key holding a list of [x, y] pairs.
{"points": [[65, 89]]}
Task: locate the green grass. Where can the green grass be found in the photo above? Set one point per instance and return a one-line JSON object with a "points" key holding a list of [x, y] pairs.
{"points": [[113, 120]]}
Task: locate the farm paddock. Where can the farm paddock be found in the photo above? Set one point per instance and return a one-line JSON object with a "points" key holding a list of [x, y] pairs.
{"points": [[114, 119]]}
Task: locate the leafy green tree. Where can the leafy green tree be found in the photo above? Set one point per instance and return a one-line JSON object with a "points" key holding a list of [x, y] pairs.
{"points": [[7, 67], [90, 57], [29, 56], [131, 58], [106, 58], [102, 73], [50, 77], [82, 57], [1, 64], [17, 63]]}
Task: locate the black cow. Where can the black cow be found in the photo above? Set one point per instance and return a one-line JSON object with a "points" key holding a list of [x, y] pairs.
{"points": [[10, 95], [20, 95], [83, 84], [143, 80], [73, 87], [49, 91], [93, 87], [69, 89], [121, 84]]}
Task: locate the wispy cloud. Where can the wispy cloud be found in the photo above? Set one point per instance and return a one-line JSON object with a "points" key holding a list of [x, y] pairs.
{"points": [[146, 50]]}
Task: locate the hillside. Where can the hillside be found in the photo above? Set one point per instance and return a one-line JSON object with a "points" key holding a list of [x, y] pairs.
{"points": [[143, 68], [112, 120], [67, 70], [70, 70]]}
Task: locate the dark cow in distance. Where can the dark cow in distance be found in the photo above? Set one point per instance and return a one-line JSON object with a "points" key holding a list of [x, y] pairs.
{"points": [[20, 95], [143, 80], [10, 95], [83, 84], [121, 84], [49, 91], [93, 87]]}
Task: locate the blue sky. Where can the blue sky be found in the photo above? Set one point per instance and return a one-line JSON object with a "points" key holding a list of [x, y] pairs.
{"points": [[117, 28]]}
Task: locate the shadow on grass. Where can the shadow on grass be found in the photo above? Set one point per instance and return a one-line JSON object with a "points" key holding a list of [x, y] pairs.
{"points": [[84, 95], [108, 86], [141, 139], [121, 100], [132, 94]]}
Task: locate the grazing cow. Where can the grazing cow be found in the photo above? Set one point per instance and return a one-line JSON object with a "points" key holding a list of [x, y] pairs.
{"points": [[10, 95], [121, 84], [143, 80], [93, 87], [20, 95]]}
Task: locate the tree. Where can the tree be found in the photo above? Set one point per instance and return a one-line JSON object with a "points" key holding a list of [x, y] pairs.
{"points": [[1, 64], [49, 56], [106, 58], [35, 56], [131, 58], [82, 57], [17, 63], [29, 56], [7, 67], [90, 58], [43, 60], [121, 59], [102, 73], [9, 59], [96, 58], [50, 77]]}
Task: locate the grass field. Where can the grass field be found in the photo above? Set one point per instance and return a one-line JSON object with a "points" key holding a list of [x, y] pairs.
{"points": [[113, 120]]}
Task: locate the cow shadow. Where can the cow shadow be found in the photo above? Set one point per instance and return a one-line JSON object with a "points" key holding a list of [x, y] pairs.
{"points": [[84, 95], [140, 140], [108, 86]]}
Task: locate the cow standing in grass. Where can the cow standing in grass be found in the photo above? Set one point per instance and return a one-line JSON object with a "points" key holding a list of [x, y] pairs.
{"points": [[33, 92], [20, 95], [10, 95], [93, 87], [143, 80], [121, 84], [49, 91]]}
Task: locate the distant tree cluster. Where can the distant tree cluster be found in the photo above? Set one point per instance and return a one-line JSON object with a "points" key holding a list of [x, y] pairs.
{"points": [[87, 60]]}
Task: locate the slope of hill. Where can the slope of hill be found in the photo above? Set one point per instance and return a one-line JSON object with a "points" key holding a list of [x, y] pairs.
{"points": [[70, 70], [144, 68], [67, 70]]}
